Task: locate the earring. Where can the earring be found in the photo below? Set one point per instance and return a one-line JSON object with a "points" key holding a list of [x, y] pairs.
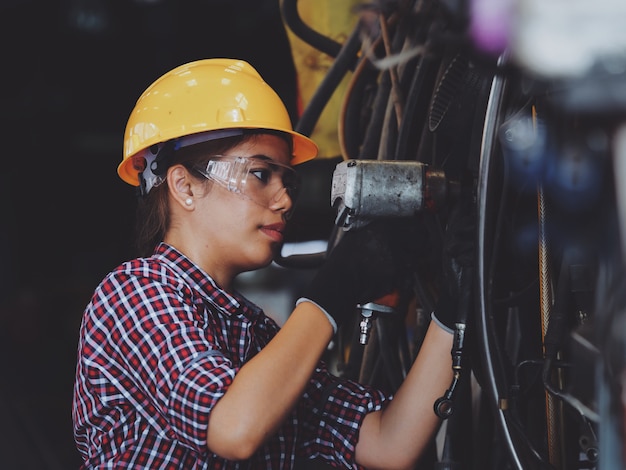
{"points": [[189, 201]]}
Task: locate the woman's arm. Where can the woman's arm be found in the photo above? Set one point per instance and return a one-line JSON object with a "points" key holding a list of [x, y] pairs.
{"points": [[267, 388], [396, 436]]}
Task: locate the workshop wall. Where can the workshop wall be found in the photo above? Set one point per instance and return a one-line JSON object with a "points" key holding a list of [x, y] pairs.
{"points": [[72, 70]]}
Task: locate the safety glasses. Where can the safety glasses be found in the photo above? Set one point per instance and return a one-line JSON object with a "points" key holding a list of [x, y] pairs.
{"points": [[260, 179]]}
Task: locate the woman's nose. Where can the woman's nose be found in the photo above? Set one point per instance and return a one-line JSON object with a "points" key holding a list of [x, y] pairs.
{"points": [[281, 200]]}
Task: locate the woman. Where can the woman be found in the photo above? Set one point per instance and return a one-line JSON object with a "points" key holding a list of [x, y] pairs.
{"points": [[175, 368]]}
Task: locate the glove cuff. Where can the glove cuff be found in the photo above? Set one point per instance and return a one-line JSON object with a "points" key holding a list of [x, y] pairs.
{"points": [[440, 323], [332, 321]]}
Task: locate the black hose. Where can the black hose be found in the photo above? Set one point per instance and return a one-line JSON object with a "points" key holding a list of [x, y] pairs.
{"points": [[357, 107], [369, 148], [291, 17], [344, 62], [416, 108]]}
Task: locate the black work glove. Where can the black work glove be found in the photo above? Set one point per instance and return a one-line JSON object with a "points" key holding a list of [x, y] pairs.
{"points": [[366, 264], [458, 257]]}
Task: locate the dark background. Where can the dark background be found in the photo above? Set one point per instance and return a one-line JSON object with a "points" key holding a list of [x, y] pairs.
{"points": [[71, 72]]}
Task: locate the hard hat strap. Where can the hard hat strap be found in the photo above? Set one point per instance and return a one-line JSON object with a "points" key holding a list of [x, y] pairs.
{"points": [[158, 159]]}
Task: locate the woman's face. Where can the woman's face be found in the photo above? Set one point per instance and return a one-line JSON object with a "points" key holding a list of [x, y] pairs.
{"points": [[243, 231]]}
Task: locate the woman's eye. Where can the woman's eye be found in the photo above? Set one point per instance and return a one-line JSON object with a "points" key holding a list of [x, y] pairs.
{"points": [[262, 174]]}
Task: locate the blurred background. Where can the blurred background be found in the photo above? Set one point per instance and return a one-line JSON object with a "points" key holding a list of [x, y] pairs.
{"points": [[71, 72]]}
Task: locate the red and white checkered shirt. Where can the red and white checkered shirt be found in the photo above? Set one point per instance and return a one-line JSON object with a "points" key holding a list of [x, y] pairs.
{"points": [[159, 345]]}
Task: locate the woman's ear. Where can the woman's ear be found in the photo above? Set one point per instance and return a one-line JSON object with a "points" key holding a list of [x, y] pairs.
{"points": [[180, 185]]}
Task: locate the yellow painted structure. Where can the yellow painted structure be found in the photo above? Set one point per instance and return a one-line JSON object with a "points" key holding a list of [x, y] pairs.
{"points": [[335, 19]]}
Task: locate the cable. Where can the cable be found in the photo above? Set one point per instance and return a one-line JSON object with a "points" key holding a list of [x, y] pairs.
{"points": [[289, 10]]}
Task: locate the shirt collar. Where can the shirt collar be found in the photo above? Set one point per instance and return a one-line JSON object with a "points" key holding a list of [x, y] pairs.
{"points": [[200, 281]]}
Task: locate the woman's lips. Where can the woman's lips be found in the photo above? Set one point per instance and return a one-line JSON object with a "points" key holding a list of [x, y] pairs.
{"points": [[274, 231]]}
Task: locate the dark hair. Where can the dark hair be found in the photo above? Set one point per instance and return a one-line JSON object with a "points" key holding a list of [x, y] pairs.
{"points": [[152, 218]]}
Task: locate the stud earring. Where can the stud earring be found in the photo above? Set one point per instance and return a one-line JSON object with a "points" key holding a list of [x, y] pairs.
{"points": [[189, 201]]}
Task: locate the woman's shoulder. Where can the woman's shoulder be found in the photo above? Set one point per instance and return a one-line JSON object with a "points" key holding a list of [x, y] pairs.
{"points": [[143, 273]]}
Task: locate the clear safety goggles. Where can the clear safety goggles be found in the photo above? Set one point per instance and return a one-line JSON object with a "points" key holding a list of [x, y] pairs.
{"points": [[260, 179]]}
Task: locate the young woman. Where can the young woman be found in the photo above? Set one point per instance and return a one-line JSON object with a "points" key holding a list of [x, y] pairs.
{"points": [[178, 370]]}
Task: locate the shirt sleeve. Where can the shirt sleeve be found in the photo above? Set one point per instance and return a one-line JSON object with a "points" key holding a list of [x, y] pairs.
{"points": [[154, 348], [331, 412]]}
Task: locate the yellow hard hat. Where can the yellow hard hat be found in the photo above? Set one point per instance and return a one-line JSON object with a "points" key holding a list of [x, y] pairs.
{"points": [[203, 97]]}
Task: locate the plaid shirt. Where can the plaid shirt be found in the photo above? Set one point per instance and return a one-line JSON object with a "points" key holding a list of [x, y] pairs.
{"points": [[159, 345]]}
